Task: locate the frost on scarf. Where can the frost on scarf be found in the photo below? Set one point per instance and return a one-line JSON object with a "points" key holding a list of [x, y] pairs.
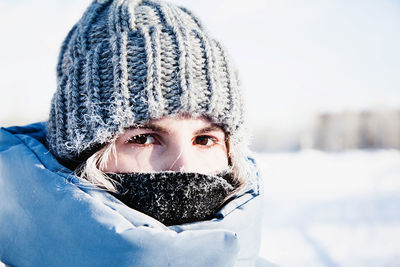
{"points": [[174, 197]]}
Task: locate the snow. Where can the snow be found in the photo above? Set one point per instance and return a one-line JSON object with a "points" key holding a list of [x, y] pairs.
{"points": [[331, 209]]}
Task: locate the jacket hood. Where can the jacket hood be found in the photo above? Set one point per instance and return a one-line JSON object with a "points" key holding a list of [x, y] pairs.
{"points": [[49, 217]]}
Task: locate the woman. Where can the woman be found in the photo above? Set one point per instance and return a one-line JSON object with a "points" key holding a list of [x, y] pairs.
{"points": [[143, 159]]}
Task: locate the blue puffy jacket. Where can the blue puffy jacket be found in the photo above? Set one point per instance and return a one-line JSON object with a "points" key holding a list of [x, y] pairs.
{"points": [[48, 219]]}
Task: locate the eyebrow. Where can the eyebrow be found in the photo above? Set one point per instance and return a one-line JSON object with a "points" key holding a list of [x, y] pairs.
{"points": [[152, 127], [207, 129], [157, 128]]}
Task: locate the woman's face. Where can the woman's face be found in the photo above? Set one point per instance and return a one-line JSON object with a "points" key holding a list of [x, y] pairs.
{"points": [[171, 144]]}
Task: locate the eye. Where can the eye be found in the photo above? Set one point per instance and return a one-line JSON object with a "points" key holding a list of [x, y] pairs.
{"points": [[143, 139], [204, 140]]}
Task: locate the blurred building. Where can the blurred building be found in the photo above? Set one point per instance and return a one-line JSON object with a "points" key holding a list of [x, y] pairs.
{"points": [[371, 129], [377, 128]]}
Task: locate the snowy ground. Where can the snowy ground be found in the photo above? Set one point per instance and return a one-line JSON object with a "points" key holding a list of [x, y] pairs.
{"points": [[331, 209]]}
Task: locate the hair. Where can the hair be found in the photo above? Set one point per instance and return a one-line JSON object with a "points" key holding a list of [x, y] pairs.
{"points": [[91, 169]]}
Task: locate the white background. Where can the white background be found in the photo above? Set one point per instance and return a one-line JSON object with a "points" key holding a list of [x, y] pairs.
{"points": [[295, 58]]}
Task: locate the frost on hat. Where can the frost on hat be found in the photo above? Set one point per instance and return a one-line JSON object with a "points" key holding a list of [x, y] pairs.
{"points": [[126, 62]]}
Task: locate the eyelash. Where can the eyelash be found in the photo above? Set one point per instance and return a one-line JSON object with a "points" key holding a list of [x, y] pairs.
{"points": [[133, 140], [213, 139], [136, 137]]}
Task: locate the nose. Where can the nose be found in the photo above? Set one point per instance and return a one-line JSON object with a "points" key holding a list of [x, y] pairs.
{"points": [[181, 160]]}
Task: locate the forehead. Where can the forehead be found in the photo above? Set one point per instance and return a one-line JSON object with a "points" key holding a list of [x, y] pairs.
{"points": [[182, 120], [180, 123]]}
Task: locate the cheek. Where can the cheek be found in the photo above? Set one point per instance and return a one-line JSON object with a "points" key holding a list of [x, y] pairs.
{"points": [[213, 160], [155, 158], [133, 160]]}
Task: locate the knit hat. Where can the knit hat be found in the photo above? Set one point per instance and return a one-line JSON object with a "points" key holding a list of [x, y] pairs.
{"points": [[128, 61]]}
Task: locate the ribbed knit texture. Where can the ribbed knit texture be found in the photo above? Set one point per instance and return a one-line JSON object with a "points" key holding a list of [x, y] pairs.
{"points": [[174, 197], [126, 62]]}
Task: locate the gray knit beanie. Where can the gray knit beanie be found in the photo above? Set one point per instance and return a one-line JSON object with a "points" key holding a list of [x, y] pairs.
{"points": [[128, 61]]}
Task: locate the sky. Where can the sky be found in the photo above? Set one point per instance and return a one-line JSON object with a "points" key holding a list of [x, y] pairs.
{"points": [[295, 58]]}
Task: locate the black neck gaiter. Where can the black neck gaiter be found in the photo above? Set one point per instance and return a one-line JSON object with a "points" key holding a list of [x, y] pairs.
{"points": [[174, 197]]}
